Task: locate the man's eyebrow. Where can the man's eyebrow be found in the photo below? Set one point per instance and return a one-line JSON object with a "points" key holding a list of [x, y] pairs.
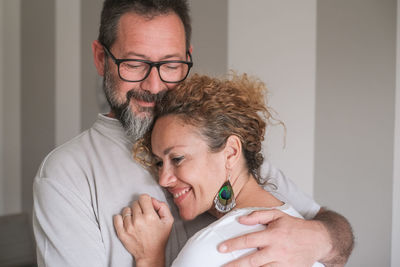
{"points": [[170, 56], [141, 56], [133, 54]]}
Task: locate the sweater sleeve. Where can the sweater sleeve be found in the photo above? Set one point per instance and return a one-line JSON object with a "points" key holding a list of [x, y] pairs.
{"points": [[65, 226], [285, 190]]}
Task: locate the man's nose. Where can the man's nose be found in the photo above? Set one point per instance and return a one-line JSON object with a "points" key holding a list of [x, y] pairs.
{"points": [[153, 82]]}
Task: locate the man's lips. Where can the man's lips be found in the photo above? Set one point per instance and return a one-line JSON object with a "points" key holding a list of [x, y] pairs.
{"points": [[145, 104]]}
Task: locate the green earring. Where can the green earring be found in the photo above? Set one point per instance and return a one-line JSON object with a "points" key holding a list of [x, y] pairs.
{"points": [[225, 200]]}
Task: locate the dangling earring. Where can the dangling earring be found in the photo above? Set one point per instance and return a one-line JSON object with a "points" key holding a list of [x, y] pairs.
{"points": [[225, 200]]}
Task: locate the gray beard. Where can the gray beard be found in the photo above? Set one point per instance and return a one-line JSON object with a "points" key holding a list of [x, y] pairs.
{"points": [[135, 125]]}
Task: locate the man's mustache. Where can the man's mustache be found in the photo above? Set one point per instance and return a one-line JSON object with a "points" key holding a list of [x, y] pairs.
{"points": [[145, 96]]}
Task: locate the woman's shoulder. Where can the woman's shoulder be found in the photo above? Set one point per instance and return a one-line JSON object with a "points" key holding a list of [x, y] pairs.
{"points": [[201, 248], [228, 226]]}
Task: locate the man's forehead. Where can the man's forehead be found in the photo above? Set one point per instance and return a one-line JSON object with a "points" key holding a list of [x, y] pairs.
{"points": [[156, 22], [163, 34]]}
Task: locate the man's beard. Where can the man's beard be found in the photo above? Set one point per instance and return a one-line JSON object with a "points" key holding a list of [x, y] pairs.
{"points": [[135, 125]]}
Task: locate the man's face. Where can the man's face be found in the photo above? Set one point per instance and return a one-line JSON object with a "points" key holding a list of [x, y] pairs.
{"points": [[157, 39]]}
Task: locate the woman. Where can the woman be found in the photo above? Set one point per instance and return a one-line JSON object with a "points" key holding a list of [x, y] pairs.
{"points": [[205, 147]]}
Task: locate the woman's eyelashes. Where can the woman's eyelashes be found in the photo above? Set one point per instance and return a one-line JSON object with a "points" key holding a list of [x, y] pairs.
{"points": [[177, 160], [158, 163]]}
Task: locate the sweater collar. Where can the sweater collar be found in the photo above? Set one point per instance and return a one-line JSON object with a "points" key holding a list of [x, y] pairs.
{"points": [[112, 128]]}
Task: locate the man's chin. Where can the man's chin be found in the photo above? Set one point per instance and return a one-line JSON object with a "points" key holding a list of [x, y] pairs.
{"points": [[142, 111], [136, 123]]}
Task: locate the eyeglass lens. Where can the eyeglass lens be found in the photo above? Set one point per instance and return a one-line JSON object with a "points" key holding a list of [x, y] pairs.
{"points": [[169, 71]]}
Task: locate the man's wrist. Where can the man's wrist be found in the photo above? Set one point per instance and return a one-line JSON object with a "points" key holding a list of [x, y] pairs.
{"points": [[156, 262], [324, 241]]}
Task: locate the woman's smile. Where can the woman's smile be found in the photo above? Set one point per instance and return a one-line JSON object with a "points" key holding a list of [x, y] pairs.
{"points": [[180, 194]]}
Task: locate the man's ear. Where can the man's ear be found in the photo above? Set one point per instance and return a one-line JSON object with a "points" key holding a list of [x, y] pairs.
{"points": [[98, 56], [233, 151]]}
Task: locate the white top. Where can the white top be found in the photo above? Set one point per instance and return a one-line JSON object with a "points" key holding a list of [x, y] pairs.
{"points": [[201, 249], [83, 183]]}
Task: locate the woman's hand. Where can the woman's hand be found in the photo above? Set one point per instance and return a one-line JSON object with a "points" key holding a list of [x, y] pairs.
{"points": [[144, 229]]}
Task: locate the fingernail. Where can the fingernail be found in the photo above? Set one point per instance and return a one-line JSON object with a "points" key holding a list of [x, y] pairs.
{"points": [[222, 248]]}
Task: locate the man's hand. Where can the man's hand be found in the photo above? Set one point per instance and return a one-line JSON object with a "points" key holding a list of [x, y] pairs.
{"points": [[144, 229], [287, 241]]}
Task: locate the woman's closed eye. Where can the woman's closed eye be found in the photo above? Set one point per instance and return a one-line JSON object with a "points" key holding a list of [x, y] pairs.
{"points": [[158, 164], [177, 160]]}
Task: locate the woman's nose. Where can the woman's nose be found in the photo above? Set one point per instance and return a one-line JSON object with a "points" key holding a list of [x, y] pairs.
{"points": [[166, 177]]}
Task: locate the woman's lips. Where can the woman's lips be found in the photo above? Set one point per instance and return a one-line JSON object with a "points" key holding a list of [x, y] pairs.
{"points": [[181, 194]]}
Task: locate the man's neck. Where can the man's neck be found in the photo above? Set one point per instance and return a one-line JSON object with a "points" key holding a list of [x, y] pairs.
{"points": [[111, 115]]}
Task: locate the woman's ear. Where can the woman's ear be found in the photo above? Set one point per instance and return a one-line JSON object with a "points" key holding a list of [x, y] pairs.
{"points": [[233, 151], [98, 56]]}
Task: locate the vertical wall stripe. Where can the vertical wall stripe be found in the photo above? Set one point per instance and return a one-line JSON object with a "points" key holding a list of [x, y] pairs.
{"points": [[2, 151], [396, 160], [37, 89], [91, 94], [68, 70], [210, 36], [356, 60], [11, 106], [275, 40]]}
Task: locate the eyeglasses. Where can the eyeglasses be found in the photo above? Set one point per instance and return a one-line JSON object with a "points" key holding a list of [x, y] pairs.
{"points": [[137, 70]]}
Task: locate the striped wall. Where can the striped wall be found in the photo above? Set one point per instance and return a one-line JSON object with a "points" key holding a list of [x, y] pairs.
{"points": [[330, 67]]}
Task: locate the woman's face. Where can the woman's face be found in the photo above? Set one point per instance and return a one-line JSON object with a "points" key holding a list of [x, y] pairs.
{"points": [[186, 167]]}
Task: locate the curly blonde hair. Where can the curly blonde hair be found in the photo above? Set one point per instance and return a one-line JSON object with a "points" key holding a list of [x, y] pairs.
{"points": [[218, 108]]}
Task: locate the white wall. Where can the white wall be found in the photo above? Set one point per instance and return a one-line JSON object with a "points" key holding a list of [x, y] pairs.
{"points": [[396, 159], [209, 37], [92, 97], [10, 107], [356, 53], [275, 40], [68, 70], [2, 152]]}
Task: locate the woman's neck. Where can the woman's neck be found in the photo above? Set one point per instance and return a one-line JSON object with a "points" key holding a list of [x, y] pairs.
{"points": [[251, 194]]}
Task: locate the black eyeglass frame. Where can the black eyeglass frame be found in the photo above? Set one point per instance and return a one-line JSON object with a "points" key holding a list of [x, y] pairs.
{"points": [[152, 64]]}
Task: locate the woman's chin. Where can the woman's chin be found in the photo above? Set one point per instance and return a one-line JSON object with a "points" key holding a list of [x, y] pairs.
{"points": [[187, 217]]}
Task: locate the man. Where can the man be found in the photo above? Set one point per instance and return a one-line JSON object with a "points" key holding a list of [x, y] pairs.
{"points": [[83, 183]]}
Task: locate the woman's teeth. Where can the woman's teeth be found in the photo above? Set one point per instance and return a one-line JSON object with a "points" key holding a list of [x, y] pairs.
{"points": [[181, 193]]}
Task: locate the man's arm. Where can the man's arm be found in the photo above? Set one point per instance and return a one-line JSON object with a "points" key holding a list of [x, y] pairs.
{"points": [[290, 241], [66, 231], [326, 236], [341, 237]]}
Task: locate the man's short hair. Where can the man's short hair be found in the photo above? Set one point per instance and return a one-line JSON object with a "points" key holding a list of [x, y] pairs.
{"points": [[114, 9]]}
